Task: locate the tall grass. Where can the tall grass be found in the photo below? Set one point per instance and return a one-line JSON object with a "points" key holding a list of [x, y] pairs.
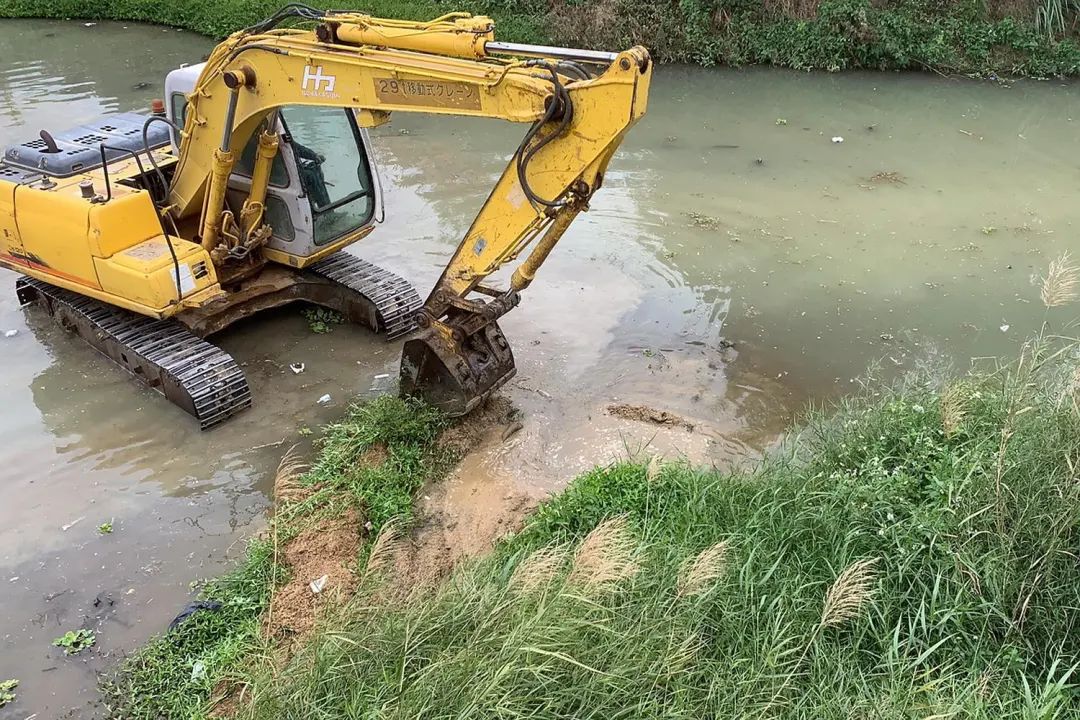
{"points": [[914, 555], [1052, 16]]}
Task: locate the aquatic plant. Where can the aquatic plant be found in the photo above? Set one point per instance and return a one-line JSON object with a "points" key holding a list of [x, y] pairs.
{"points": [[75, 641], [7, 691]]}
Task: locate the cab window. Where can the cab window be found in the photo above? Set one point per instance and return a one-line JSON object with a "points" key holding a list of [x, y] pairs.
{"points": [[334, 170]]}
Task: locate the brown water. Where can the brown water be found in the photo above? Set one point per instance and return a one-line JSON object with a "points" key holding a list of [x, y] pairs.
{"points": [[719, 224]]}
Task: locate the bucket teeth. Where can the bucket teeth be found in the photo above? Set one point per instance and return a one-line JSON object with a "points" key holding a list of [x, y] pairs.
{"points": [[198, 377], [456, 376]]}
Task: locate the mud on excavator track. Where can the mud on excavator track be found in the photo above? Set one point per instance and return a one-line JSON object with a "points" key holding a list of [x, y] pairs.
{"points": [[171, 356]]}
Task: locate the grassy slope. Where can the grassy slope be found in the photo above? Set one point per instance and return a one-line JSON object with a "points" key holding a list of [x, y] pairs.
{"points": [[957, 36], [174, 674], [966, 495]]}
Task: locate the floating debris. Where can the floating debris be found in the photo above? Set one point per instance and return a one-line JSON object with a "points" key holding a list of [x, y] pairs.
{"points": [[837, 139], [644, 413], [72, 524], [889, 176], [297, 368], [703, 221]]}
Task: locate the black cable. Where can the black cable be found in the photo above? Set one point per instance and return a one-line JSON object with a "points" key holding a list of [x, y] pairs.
{"points": [[561, 101], [575, 69], [294, 9], [150, 153], [175, 261]]}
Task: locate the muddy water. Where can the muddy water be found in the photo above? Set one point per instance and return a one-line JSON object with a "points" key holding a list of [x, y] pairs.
{"points": [[738, 264]]}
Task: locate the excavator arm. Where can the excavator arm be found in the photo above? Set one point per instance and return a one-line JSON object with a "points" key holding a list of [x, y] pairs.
{"points": [[450, 66]]}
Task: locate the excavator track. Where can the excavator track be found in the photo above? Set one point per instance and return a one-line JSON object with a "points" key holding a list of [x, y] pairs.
{"points": [[394, 298], [164, 355]]}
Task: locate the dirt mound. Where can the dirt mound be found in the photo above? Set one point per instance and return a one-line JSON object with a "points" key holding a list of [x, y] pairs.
{"points": [[463, 515], [460, 518], [457, 517], [329, 547], [644, 413]]}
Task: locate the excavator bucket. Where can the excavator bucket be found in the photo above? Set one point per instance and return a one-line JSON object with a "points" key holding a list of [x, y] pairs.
{"points": [[456, 376]]}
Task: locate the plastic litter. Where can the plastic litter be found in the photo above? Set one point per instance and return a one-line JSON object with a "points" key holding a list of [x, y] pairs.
{"points": [[325, 399], [72, 524], [837, 139], [317, 585], [297, 368]]}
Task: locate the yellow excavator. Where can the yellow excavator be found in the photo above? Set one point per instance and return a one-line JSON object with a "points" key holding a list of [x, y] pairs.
{"points": [[145, 234]]}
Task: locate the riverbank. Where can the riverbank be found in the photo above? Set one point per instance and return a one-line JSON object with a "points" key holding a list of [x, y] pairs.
{"points": [[910, 552], [976, 38], [911, 555]]}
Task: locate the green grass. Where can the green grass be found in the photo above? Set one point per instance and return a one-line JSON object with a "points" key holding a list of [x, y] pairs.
{"points": [[964, 36], [964, 492], [174, 674]]}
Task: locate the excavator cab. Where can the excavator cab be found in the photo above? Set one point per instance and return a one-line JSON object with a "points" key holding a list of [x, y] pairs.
{"points": [[324, 186]]}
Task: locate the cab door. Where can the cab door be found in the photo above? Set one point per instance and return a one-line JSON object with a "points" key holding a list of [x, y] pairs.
{"points": [[324, 186]]}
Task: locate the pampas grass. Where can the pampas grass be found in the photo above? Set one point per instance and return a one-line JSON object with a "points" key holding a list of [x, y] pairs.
{"points": [[699, 575], [605, 557], [1061, 284]]}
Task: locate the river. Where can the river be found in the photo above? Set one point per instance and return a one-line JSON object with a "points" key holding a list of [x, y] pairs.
{"points": [[762, 238]]}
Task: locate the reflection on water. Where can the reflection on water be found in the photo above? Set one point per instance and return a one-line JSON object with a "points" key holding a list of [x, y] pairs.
{"points": [[737, 263]]}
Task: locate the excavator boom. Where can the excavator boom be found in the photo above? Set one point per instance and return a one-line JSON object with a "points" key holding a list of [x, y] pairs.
{"points": [[579, 105]]}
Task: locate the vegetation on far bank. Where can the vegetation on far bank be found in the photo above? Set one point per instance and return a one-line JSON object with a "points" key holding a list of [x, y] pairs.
{"points": [[910, 554], [962, 36]]}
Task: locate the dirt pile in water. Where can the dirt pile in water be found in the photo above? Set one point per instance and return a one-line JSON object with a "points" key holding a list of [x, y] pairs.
{"points": [[644, 413]]}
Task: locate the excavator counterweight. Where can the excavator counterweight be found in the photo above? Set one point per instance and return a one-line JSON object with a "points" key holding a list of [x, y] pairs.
{"points": [[242, 191]]}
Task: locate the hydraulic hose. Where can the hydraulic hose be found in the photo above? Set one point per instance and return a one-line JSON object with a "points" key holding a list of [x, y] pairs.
{"points": [[561, 101]]}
